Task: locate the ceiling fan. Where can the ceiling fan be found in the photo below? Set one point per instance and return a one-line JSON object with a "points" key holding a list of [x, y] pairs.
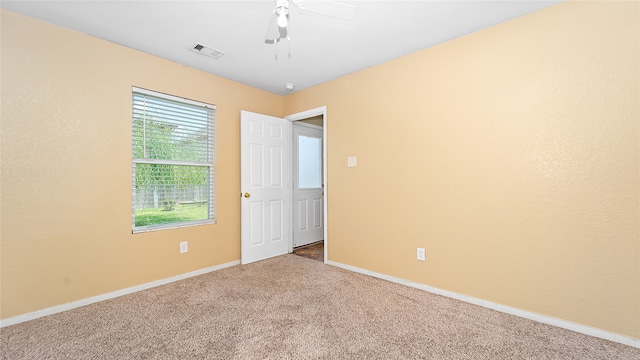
{"points": [[279, 21]]}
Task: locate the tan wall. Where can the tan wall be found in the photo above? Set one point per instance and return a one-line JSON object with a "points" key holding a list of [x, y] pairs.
{"points": [[511, 155], [66, 167]]}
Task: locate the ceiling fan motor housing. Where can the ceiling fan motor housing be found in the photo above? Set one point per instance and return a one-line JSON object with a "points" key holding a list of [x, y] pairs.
{"points": [[282, 7]]}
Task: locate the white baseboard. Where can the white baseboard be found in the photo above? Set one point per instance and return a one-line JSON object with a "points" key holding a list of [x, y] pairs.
{"points": [[76, 304], [583, 329]]}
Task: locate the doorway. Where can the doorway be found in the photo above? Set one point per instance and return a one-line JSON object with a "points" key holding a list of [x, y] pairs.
{"points": [[308, 184], [308, 188], [266, 179]]}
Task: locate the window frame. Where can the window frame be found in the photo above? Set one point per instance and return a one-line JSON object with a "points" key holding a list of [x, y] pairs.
{"points": [[210, 164]]}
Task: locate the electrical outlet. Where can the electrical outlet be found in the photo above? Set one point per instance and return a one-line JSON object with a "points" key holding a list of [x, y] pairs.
{"points": [[421, 254], [184, 247]]}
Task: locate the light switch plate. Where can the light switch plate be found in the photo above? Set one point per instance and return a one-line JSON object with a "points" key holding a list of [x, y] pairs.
{"points": [[352, 161]]}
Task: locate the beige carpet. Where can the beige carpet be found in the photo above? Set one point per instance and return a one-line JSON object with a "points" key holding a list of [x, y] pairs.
{"points": [[293, 308]]}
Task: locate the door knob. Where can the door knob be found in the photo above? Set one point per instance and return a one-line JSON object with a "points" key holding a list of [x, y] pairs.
{"points": [[247, 195]]}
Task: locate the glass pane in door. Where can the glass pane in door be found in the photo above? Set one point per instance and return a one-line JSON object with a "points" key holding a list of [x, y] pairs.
{"points": [[309, 162]]}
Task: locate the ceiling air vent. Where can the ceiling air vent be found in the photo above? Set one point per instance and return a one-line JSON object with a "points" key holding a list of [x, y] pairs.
{"points": [[207, 51]]}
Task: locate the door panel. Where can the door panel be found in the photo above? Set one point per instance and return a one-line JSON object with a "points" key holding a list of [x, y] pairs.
{"points": [[277, 221], [256, 215], [308, 215], [302, 218], [264, 152], [275, 154], [317, 213]]}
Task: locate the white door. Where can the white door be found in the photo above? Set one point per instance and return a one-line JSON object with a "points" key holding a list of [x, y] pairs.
{"points": [[265, 160], [308, 187]]}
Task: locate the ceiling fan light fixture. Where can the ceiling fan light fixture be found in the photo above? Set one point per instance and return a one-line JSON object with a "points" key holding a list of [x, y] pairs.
{"points": [[282, 19], [282, 10]]}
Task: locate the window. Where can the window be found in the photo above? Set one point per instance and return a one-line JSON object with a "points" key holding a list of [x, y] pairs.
{"points": [[173, 161]]}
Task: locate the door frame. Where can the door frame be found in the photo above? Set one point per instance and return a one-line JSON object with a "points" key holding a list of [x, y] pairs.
{"points": [[322, 110]]}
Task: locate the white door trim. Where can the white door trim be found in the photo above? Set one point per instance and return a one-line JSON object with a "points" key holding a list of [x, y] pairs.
{"points": [[322, 110]]}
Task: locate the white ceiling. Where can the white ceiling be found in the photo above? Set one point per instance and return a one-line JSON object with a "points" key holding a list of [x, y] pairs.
{"points": [[322, 48]]}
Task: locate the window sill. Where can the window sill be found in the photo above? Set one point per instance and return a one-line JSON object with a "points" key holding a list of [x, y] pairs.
{"points": [[144, 229]]}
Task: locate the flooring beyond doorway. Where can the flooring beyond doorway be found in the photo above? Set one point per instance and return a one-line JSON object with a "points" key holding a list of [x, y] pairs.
{"points": [[313, 251]]}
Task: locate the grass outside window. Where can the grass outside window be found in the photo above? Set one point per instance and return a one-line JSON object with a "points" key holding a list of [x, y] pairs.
{"points": [[178, 213]]}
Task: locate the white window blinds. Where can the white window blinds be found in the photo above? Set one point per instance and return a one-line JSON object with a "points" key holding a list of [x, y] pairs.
{"points": [[173, 161]]}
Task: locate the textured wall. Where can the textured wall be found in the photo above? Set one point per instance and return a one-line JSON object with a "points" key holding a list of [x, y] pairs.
{"points": [[511, 155], [66, 167]]}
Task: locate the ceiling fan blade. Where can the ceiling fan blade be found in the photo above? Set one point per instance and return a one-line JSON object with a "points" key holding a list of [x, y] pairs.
{"points": [[328, 8], [273, 33]]}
